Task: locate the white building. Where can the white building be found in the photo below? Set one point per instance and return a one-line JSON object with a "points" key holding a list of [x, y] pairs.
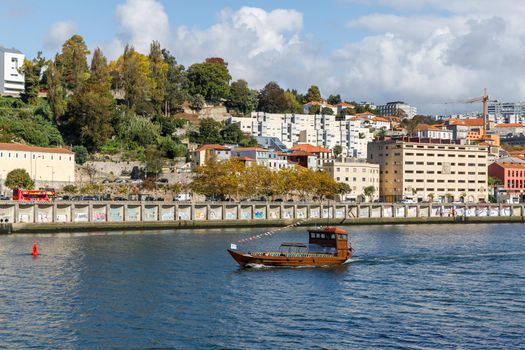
{"points": [[506, 112], [11, 80], [397, 108], [433, 132], [48, 167], [317, 130]]}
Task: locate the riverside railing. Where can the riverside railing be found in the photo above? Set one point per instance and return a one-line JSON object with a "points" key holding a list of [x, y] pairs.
{"points": [[113, 212]]}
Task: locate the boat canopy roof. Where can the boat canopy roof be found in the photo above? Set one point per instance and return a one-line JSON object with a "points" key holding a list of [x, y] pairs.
{"points": [[329, 230], [299, 245]]}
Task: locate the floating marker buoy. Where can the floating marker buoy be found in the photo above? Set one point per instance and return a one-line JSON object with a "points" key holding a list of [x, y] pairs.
{"points": [[35, 249]]}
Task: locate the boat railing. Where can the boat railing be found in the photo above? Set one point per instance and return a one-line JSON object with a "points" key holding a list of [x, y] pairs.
{"points": [[294, 254]]}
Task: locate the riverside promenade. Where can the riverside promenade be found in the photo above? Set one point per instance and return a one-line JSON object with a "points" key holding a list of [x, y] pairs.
{"points": [[21, 217]]}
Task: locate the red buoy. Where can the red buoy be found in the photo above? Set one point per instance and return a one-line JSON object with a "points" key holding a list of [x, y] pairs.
{"points": [[35, 249]]}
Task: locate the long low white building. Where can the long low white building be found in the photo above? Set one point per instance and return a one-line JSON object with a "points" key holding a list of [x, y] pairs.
{"points": [[48, 167]]}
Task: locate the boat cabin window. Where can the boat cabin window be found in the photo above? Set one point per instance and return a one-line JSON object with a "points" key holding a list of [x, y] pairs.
{"points": [[342, 236]]}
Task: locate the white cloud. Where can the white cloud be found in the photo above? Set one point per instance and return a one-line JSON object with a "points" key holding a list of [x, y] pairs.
{"points": [[429, 51], [58, 33], [141, 22]]}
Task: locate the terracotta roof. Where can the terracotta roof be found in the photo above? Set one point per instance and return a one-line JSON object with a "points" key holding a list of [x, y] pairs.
{"points": [[380, 119], [313, 103], [27, 148], [510, 125], [212, 146], [309, 148], [511, 165], [344, 104], [364, 114], [422, 127], [466, 122], [300, 153]]}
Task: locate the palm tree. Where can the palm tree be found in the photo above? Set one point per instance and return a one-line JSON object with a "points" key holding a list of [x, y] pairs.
{"points": [[369, 192]]}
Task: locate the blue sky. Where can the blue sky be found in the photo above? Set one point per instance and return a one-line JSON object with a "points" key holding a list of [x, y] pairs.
{"points": [[420, 51]]}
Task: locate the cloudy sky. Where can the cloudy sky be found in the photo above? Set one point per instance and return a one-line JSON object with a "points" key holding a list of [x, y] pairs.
{"points": [[420, 51]]}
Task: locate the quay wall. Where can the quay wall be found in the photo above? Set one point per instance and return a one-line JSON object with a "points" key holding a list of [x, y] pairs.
{"points": [[84, 216]]}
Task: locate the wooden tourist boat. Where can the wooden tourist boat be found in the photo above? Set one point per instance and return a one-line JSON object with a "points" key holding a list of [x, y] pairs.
{"points": [[326, 246]]}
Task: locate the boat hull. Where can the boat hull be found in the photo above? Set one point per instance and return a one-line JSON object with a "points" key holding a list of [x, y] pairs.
{"points": [[246, 260]]}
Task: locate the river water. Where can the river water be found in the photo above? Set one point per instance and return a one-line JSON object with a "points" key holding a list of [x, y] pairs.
{"points": [[419, 286]]}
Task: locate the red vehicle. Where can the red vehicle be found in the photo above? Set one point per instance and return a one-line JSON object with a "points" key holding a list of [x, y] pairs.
{"points": [[33, 195]]}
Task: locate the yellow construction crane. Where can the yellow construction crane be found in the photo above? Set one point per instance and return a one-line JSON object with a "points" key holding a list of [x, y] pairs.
{"points": [[484, 99]]}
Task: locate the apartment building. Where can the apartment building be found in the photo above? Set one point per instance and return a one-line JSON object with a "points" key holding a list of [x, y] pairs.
{"points": [[398, 108], [11, 80], [434, 170], [358, 174], [318, 130], [48, 167], [506, 112]]}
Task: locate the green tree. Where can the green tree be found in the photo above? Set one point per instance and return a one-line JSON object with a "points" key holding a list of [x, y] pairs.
{"points": [[294, 105], [209, 79], [153, 161], [132, 74], [369, 192], [232, 134], [338, 150], [327, 111], [81, 154], [272, 99], [313, 94], [19, 178], [71, 189], [343, 188], [176, 84], [72, 62], [56, 93], [159, 76], [241, 99], [92, 107], [209, 131], [197, 102], [334, 99], [32, 71], [314, 109]]}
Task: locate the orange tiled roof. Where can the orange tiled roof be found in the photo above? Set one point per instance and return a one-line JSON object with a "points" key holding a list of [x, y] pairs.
{"points": [[364, 114], [380, 119], [422, 127], [467, 122], [211, 146], [309, 148], [511, 165], [344, 104], [27, 148]]}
